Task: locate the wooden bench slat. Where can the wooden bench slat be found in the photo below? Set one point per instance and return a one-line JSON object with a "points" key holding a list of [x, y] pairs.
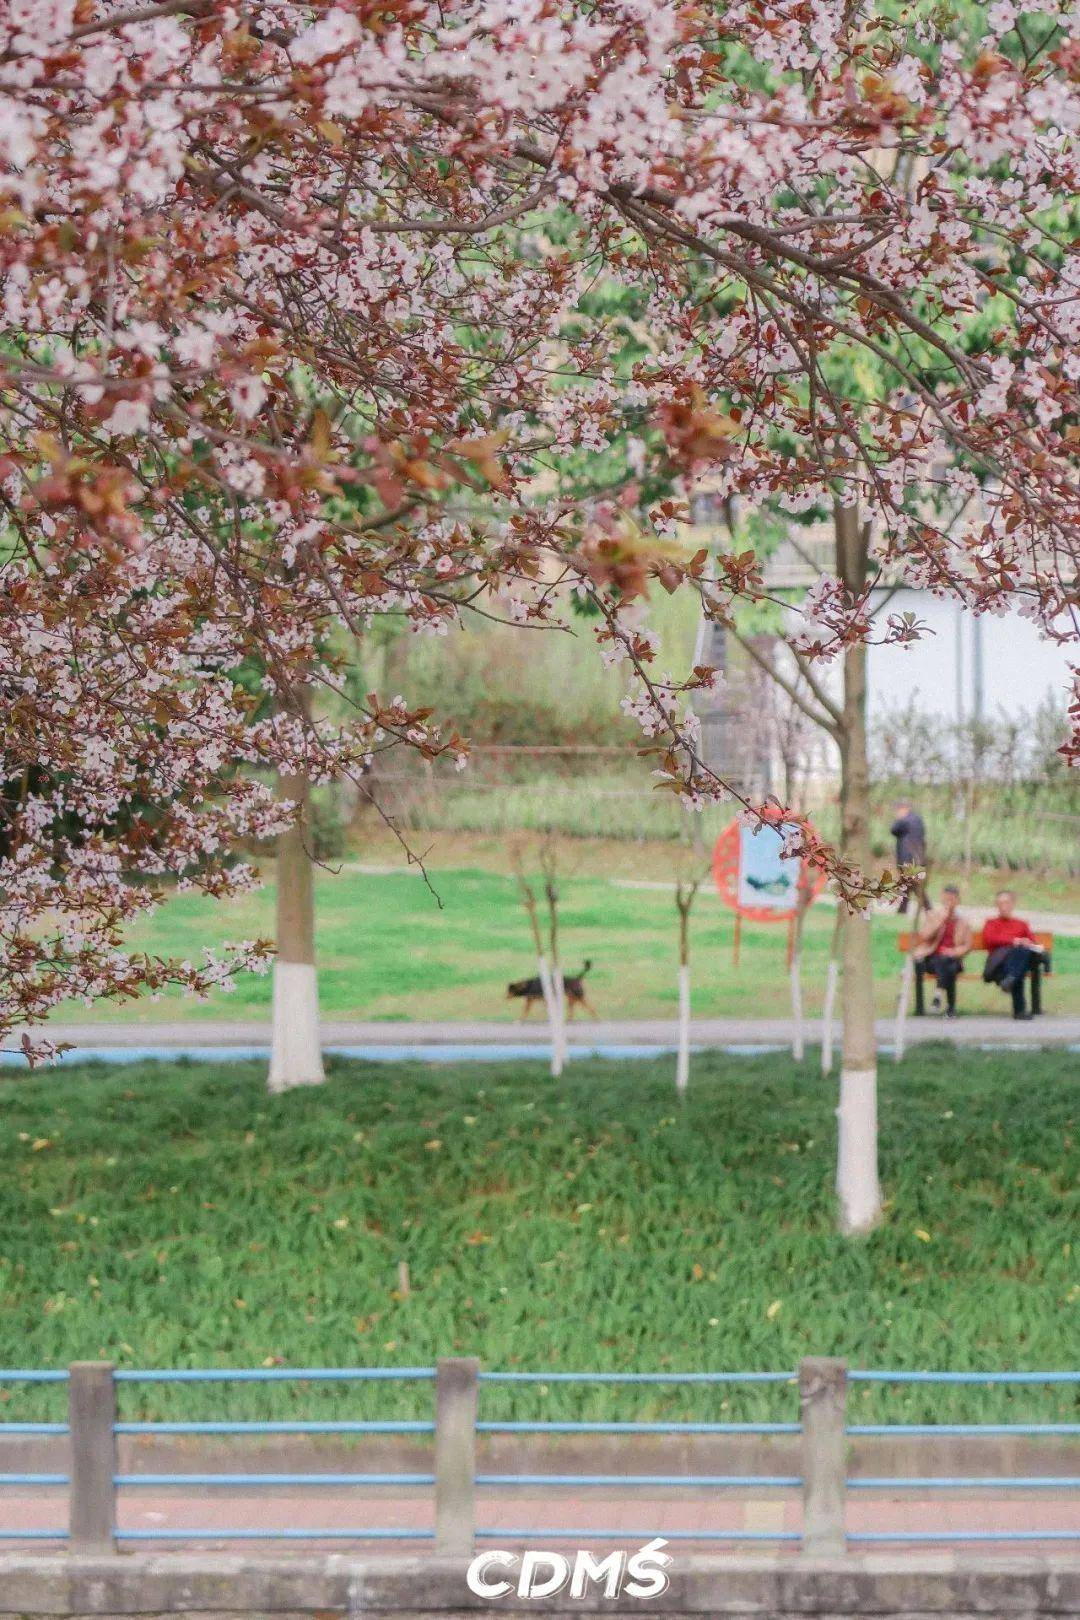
{"points": [[906, 940]]}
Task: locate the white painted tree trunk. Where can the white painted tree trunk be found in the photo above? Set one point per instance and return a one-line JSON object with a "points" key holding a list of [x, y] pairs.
{"points": [[903, 1002], [682, 1059], [856, 1175], [798, 1037], [295, 1043], [832, 973], [907, 983], [558, 985], [857, 1186], [551, 1007]]}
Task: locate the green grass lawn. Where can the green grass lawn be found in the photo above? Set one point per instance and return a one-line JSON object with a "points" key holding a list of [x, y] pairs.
{"points": [[175, 1214], [388, 949]]}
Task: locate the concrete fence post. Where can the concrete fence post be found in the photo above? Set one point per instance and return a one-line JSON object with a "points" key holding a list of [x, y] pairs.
{"points": [[92, 1493], [823, 1401], [455, 1454]]}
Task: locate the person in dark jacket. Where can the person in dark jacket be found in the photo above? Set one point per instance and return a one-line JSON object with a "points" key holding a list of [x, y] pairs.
{"points": [[910, 836]]}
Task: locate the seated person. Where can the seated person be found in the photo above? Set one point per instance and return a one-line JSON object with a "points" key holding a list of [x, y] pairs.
{"points": [[944, 940], [1010, 945]]}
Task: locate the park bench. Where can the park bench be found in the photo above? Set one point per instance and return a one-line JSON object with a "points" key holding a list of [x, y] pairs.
{"points": [[1040, 965]]}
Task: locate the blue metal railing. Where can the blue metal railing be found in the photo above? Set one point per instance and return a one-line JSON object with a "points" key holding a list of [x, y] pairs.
{"points": [[967, 1482], [954, 1536], [33, 1535], [34, 1428], [963, 1428], [621, 1481], [234, 1480], [638, 1378], [634, 1481], [584, 1481], [576, 1537], [232, 1375], [637, 1428], [267, 1375], [34, 1375], [326, 1533], [289, 1426], [860, 1376], [490, 1427]]}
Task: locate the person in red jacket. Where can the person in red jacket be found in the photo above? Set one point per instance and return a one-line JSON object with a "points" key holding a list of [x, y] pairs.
{"points": [[1010, 946]]}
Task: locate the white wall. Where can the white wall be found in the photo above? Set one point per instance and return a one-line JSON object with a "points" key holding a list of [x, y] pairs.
{"points": [[939, 673]]}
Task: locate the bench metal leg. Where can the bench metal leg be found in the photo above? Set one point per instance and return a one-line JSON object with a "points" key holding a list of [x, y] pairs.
{"points": [[1036, 986]]}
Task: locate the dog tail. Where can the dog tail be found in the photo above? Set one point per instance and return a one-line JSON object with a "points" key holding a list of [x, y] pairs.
{"points": [[586, 965]]}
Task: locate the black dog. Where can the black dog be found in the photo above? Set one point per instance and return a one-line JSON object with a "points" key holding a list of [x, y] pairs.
{"points": [[531, 990]]}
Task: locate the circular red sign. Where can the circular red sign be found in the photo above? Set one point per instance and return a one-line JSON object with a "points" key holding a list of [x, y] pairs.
{"points": [[726, 868]]}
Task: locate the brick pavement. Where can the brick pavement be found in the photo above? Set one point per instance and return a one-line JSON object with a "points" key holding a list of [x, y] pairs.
{"points": [[631, 1512]]}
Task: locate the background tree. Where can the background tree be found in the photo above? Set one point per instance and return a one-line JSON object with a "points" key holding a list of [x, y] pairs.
{"points": [[685, 894], [296, 1043], [857, 1184], [543, 967], [549, 867]]}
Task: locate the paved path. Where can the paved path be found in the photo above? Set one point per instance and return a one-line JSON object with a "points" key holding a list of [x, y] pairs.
{"points": [[512, 1514], [625, 1038]]}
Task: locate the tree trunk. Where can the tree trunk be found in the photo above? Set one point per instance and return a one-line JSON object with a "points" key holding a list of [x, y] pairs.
{"points": [[558, 996], [857, 1185], [556, 988], [295, 1052], [684, 899], [682, 1059], [907, 979], [798, 1035], [553, 1008], [543, 973], [832, 974]]}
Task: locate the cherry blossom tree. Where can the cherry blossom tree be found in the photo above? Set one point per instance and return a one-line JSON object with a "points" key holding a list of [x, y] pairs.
{"points": [[315, 313]]}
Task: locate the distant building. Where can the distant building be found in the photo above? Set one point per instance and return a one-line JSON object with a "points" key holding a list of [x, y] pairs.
{"points": [[972, 666], [964, 666]]}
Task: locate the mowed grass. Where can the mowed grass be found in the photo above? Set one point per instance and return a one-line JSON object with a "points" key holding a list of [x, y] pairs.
{"points": [[176, 1215], [389, 949]]}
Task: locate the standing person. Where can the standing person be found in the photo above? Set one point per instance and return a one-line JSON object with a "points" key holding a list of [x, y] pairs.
{"points": [[944, 940], [1010, 945], [909, 833]]}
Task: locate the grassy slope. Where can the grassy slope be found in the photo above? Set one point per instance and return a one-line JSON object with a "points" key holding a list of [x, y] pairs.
{"points": [[387, 950], [1032, 833], [175, 1214]]}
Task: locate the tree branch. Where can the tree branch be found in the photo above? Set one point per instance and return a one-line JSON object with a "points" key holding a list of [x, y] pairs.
{"points": [[828, 721]]}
